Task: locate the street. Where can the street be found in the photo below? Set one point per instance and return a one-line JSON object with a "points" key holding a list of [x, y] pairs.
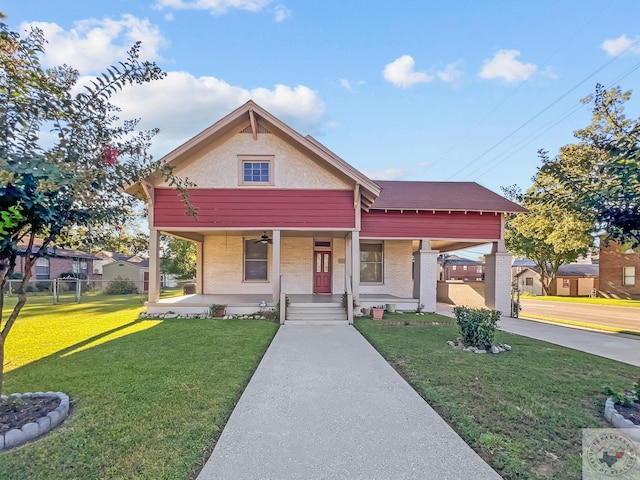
{"points": [[611, 316]]}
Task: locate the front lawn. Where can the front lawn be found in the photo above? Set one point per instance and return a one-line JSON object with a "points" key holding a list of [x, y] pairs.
{"points": [[149, 397], [522, 411]]}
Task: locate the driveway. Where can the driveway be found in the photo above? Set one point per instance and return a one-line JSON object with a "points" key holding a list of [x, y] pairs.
{"points": [[323, 404], [611, 316]]}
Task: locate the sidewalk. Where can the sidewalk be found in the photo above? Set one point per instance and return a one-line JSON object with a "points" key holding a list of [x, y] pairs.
{"points": [[323, 404], [604, 344]]}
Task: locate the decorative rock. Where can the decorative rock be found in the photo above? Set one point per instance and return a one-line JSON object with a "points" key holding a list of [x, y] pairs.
{"points": [[506, 347], [459, 346], [44, 425], [480, 350], [495, 349], [55, 417], [450, 343], [13, 438], [30, 431], [171, 315]]}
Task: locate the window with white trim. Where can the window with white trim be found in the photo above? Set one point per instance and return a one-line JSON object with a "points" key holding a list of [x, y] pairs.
{"points": [[256, 261], [42, 268], [371, 262], [629, 276], [479, 269], [256, 169]]}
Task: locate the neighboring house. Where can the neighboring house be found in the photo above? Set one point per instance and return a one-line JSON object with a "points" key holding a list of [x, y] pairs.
{"points": [[575, 280], [527, 280], [619, 271], [572, 280], [56, 262], [104, 257], [133, 268], [454, 267], [278, 212]]}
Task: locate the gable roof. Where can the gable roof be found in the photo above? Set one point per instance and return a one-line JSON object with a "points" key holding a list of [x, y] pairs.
{"points": [[447, 196], [259, 119], [578, 270]]}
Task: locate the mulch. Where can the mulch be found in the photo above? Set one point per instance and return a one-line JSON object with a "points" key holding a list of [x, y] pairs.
{"points": [[17, 412]]}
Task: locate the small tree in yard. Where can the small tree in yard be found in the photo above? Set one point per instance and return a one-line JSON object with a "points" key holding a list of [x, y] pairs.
{"points": [[549, 234], [74, 176]]}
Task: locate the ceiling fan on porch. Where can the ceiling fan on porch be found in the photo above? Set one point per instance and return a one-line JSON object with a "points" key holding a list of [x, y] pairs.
{"points": [[264, 239]]}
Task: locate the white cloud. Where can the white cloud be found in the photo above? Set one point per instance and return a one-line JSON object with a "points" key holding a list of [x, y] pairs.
{"points": [[424, 164], [182, 105], [384, 174], [621, 45], [95, 44], [451, 74], [215, 7], [344, 83], [282, 13], [505, 66], [400, 72]]}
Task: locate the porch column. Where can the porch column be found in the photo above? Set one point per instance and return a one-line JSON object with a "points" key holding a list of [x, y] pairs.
{"points": [[199, 267], [154, 265], [355, 266], [427, 266], [497, 279], [275, 265]]}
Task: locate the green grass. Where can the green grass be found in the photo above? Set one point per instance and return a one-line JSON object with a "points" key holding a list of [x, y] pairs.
{"points": [[620, 302], [522, 411], [149, 397]]}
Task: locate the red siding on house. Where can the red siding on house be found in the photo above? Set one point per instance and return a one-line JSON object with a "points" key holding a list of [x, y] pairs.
{"points": [[421, 224], [256, 208]]}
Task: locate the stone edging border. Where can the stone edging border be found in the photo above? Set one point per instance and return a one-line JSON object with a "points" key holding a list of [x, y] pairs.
{"points": [[33, 430], [618, 421]]}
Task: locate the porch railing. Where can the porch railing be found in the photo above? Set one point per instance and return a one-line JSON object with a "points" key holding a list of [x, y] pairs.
{"points": [[349, 292], [283, 299]]}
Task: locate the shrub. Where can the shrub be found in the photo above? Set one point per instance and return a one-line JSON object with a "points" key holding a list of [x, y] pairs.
{"points": [[120, 286], [43, 286], [477, 325]]}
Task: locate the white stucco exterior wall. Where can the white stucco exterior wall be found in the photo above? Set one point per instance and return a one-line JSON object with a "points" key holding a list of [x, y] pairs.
{"points": [[219, 166]]}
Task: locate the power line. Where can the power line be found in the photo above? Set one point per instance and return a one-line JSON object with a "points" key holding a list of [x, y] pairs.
{"points": [[561, 97]]}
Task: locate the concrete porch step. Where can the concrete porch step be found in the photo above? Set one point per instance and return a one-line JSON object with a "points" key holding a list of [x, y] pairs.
{"points": [[321, 323], [316, 314]]}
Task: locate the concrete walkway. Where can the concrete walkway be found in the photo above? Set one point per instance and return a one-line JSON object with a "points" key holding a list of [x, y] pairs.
{"points": [[323, 404], [624, 348]]}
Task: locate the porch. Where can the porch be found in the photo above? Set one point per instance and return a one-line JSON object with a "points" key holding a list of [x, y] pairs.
{"points": [[250, 303]]}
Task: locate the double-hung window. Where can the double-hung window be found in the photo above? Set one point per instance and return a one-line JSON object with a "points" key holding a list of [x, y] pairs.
{"points": [[255, 260], [371, 262], [629, 276], [42, 268]]}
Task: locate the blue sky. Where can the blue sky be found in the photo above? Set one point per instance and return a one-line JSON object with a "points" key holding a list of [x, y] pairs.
{"points": [[420, 90]]}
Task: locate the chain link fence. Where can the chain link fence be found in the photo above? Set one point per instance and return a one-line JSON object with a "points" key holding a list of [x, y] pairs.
{"points": [[72, 289]]}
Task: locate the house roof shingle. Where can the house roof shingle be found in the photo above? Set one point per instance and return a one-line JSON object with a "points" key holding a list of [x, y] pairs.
{"points": [[449, 196]]}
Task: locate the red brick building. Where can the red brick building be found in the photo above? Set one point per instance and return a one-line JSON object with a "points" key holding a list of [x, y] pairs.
{"points": [[56, 262], [619, 271]]}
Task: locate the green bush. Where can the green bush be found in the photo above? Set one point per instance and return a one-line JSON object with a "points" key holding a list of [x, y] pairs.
{"points": [[121, 286], [477, 325], [43, 286]]}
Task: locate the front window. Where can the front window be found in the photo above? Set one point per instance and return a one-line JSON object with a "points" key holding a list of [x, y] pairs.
{"points": [[42, 268], [628, 276], [565, 283], [371, 262], [479, 269], [255, 260], [80, 266]]}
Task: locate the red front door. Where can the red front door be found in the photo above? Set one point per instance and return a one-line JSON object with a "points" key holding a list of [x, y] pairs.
{"points": [[322, 272]]}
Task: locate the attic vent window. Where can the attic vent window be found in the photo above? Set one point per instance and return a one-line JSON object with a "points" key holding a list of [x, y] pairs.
{"points": [[260, 129]]}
